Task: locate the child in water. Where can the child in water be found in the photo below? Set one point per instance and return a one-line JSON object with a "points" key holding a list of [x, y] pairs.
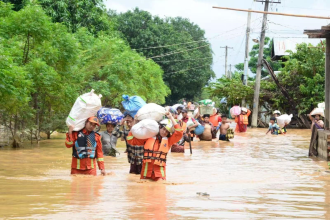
{"points": [[273, 127], [283, 130], [209, 129], [224, 126]]}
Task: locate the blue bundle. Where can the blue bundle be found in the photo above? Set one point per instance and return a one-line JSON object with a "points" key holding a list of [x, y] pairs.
{"points": [[199, 130], [109, 115], [132, 104]]}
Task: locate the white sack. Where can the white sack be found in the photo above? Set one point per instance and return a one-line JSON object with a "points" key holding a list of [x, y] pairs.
{"points": [[284, 119], [151, 111], [85, 106], [196, 112], [321, 105], [318, 111], [146, 128]]}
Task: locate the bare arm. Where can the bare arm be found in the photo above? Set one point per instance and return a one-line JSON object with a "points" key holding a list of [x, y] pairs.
{"points": [[310, 117], [170, 116]]}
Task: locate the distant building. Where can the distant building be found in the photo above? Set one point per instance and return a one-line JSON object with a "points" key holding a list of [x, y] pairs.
{"points": [[280, 46]]}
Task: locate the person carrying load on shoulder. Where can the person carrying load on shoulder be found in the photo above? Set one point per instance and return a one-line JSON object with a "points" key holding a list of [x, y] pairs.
{"points": [[156, 148], [276, 114], [134, 152], [242, 120], [273, 127], [179, 146], [86, 149], [315, 117]]}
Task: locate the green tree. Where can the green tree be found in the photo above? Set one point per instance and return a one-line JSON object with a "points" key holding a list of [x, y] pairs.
{"points": [[303, 78], [46, 55], [44, 67], [110, 67], [233, 89], [78, 13], [186, 65]]}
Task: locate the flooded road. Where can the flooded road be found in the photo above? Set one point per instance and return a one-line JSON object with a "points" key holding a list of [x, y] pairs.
{"points": [[252, 177]]}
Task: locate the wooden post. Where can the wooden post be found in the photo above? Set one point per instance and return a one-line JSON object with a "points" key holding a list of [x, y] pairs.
{"points": [[259, 68], [327, 85]]}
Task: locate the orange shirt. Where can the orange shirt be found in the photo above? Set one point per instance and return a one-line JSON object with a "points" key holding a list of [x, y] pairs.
{"points": [[158, 171], [215, 119], [86, 163], [236, 120]]}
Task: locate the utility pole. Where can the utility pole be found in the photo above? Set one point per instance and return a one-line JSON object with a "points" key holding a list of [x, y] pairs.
{"points": [[246, 59], [229, 73], [259, 67], [226, 54]]}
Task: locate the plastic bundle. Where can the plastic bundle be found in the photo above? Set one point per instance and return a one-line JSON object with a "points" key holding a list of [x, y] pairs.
{"points": [[178, 105], [196, 111], [207, 102], [145, 129], [321, 105], [109, 115], [132, 104], [317, 111], [151, 111], [284, 120], [199, 129], [84, 107], [235, 111]]}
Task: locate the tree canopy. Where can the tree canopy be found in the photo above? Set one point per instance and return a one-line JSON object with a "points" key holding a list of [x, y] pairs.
{"points": [[45, 65], [176, 44]]}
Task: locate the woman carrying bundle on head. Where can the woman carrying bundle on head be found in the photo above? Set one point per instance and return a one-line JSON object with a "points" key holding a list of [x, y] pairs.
{"points": [[157, 147], [315, 117], [242, 120]]}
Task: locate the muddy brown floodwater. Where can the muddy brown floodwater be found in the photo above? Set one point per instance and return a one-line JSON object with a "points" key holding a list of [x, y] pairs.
{"points": [[252, 177]]}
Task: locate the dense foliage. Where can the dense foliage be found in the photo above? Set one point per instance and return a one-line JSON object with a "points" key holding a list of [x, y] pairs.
{"points": [[44, 66], [303, 78], [176, 44], [233, 89]]}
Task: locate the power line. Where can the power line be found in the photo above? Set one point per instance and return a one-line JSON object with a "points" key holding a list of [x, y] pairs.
{"points": [[191, 68], [225, 32], [183, 60], [168, 54], [283, 25], [180, 51], [218, 35]]}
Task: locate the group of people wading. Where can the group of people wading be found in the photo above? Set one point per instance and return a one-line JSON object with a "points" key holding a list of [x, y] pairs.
{"points": [[147, 157]]}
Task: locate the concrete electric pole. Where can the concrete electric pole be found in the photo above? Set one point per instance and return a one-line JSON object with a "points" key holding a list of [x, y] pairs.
{"points": [[246, 58], [226, 54], [259, 68]]}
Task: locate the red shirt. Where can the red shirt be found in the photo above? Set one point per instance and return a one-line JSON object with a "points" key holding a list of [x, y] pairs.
{"points": [[86, 163], [185, 120]]}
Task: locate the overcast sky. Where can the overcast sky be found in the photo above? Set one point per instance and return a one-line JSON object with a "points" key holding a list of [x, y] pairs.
{"points": [[223, 27]]}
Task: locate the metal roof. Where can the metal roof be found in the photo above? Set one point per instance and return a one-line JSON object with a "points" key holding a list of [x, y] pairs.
{"points": [[282, 45]]}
